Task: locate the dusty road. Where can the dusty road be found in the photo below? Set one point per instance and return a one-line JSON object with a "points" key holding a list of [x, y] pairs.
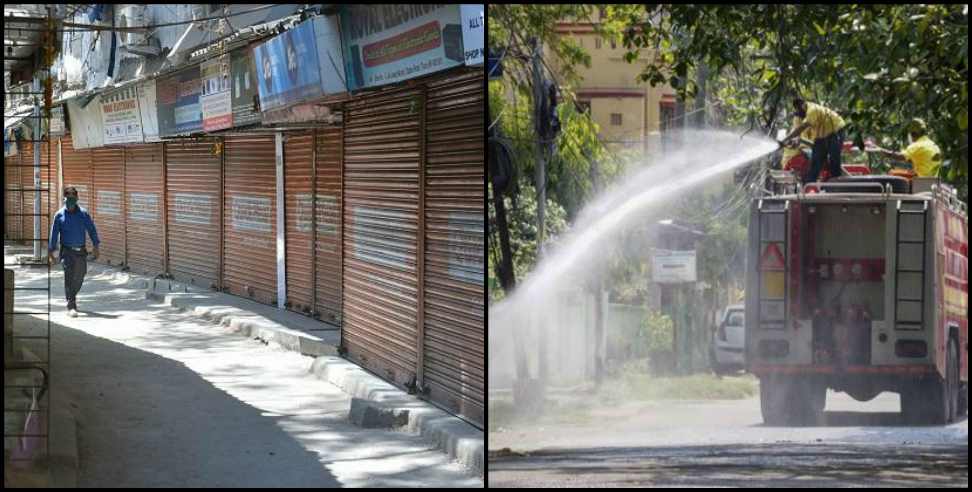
{"points": [[724, 443]]}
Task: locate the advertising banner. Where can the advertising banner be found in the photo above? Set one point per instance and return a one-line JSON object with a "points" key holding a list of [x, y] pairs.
{"points": [[215, 101], [287, 68], [86, 122], [245, 100], [473, 25], [395, 42], [149, 111], [57, 121], [177, 97], [122, 122]]}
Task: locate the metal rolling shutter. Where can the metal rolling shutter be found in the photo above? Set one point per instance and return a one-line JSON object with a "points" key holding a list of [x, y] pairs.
{"points": [[109, 203], [143, 193], [298, 156], [49, 183], [329, 247], [249, 217], [381, 192], [12, 219], [193, 195], [77, 173], [454, 335]]}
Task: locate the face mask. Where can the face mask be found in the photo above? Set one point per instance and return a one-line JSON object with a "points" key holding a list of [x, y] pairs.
{"points": [[71, 202]]}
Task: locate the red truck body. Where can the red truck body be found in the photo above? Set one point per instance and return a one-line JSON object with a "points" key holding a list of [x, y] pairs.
{"points": [[859, 287]]}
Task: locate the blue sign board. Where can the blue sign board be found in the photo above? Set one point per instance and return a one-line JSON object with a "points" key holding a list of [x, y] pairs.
{"points": [[287, 68]]}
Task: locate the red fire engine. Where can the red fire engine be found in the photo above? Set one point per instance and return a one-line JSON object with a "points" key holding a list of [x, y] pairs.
{"points": [[860, 285]]}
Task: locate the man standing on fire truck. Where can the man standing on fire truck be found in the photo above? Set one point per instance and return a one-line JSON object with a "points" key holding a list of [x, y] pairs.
{"points": [[828, 132], [923, 154]]}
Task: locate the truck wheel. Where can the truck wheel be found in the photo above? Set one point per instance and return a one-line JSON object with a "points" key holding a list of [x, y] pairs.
{"points": [[773, 401], [952, 372], [930, 401], [791, 401]]}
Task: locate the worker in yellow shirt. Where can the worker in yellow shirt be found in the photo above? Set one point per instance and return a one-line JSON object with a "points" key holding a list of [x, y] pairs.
{"points": [[794, 157], [923, 154], [828, 130]]}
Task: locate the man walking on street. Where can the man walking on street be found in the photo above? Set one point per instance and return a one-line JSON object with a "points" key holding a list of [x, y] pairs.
{"points": [[68, 226]]}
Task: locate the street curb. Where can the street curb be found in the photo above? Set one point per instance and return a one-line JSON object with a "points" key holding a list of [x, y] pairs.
{"points": [[377, 403], [245, 323]]}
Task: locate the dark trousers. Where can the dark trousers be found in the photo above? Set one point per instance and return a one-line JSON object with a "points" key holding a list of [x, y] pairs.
{"points": [[75, 267], [826, 149]]}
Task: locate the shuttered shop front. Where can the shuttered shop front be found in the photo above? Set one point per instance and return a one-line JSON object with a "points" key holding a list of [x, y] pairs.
{"points": [[329, 247], [143, 189], [249, 217], [109, 202], [298, 158], [381, 193], [13, 207], [454, 334], [193, 199], [76, 167]]}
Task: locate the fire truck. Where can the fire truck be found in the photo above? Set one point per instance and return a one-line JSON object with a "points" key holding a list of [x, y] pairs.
{"points": [[858, 284]]}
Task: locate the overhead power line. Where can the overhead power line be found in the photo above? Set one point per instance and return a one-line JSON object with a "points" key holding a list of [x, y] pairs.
{"points": [[76, 27]]}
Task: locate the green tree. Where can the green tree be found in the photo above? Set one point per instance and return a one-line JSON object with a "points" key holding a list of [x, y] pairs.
{"points": [[878, 65]]}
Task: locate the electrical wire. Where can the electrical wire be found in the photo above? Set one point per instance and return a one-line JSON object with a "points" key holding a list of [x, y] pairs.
{"points": [[76, 27]]}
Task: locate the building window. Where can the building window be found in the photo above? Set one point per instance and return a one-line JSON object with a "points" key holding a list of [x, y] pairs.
{"points": [[597, 43], [616, 119]]}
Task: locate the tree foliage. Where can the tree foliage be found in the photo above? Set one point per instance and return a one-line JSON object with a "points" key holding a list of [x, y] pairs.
{"points": [[877, 65]]}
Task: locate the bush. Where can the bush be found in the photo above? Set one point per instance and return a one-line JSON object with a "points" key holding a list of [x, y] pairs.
{"points": [[657, 334]]}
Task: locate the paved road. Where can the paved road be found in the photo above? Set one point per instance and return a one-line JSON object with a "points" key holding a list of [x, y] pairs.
{"points": [[164, 400], [724, 443]]}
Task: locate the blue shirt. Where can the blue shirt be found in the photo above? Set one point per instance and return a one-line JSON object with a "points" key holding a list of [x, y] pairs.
{"points": [[70, 227]]}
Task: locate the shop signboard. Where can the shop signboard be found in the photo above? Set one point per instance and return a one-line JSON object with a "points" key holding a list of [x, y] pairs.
{"points": [[177, 97], [57, 121], [121, 120], [473, 25], [245, 101], [673, 267], [84, 114], [215, 100], [148, 111], [287, 68], [388, 43]]}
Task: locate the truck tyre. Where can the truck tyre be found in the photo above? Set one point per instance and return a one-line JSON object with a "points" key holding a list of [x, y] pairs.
{"points": [[933, 401], [773, 401], [792, 401], [952, 372]]}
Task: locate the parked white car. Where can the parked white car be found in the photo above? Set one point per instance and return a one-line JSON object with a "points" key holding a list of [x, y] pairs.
{"points": [[727, 352]]}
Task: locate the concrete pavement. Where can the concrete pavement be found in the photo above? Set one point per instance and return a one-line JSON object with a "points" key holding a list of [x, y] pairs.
{"points": [[166, 399]]}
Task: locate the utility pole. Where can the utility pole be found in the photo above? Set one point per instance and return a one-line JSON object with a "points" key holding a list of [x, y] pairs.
{"points": [[538, 97]]}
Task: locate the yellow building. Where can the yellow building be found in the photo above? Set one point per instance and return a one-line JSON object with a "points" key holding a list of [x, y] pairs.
{"points": [[629, 113]]}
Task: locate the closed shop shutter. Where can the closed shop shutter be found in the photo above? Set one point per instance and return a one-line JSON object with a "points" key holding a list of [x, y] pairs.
{"points": [[454, 334], [49, 183], [298, 154], [26, 162], [143, 193], [249, 217], [109, 203], [77, 173], [381, 192], [13, 206], [193, 195], [329, 247]]}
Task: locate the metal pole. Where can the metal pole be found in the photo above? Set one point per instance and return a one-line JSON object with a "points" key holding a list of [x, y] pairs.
{"points": [[37, 172], [541, 190]]}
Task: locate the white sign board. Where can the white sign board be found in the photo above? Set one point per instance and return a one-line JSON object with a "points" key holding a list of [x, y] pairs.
{"points": [[148, 111], [122, 121], [671, 267], [217, 112], [473, 24], [86, 123]]}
